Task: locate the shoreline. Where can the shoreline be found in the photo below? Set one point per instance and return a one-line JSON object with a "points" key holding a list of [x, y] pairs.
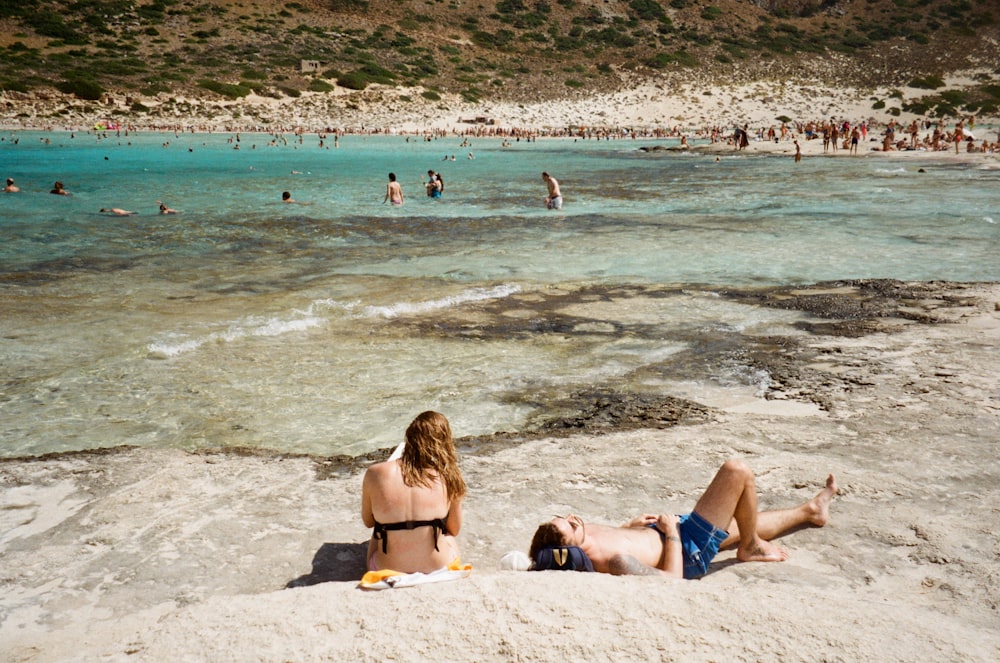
{"points": [[159, 554], [666, 142], [669, 104]]}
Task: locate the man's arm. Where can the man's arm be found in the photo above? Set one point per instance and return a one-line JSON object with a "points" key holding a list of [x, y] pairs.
{"points": [[673, 563], [626, 565], [644, 520]]}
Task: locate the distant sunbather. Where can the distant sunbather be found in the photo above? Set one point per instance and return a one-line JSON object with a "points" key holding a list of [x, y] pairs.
{"points": [[664, 544], [414, 503]]}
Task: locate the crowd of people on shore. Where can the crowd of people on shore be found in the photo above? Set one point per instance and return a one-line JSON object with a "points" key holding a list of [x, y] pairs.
{"points": [[919, 135], [837, 134]]}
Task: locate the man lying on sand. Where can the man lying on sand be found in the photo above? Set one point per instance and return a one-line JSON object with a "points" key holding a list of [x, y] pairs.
{"points": [[664, 544]]}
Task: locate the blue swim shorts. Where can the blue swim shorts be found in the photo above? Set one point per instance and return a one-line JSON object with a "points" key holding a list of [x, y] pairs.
{"points": [[700, 540]]}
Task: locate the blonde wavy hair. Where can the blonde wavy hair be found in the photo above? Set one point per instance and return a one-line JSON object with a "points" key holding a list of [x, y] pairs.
{"points": [[429, 454]]}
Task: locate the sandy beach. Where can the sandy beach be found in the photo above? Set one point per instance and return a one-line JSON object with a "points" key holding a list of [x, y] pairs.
{"points": [[683, 103], [165, 555]]}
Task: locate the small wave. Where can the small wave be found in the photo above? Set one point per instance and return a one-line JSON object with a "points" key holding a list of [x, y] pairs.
{"points": [[988, 219], [168, 349], [890, 171], [175, 345], [472, 295]]}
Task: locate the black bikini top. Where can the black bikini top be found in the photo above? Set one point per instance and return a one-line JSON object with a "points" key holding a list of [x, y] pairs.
{"points": [[381, 529]]}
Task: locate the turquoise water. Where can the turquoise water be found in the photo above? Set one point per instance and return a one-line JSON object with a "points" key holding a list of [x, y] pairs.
{"points": [[326, 326]]}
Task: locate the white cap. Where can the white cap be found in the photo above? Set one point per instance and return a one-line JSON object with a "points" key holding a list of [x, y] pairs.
{"points": [[515, 560]]}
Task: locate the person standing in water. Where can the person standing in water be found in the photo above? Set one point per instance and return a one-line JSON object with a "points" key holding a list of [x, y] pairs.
{"points": [[435, 185], [554, 200], [393, 192]]}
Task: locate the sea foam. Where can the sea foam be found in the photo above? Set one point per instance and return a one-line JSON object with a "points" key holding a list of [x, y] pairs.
{"points": [[471, 295], [175, 344]]}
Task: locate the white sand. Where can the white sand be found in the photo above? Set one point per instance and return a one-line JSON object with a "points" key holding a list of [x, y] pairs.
{"points": [[142, 555], [680, 100]]}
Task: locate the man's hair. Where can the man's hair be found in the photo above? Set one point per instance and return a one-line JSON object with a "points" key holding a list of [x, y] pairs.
{"points": [[546, 536], [429, 453]]}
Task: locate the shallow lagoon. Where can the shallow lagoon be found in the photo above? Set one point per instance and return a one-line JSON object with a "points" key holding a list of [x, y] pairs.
{"points": [[324, 327]]}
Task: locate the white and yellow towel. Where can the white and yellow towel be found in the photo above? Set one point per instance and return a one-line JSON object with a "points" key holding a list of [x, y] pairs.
{"points": [[389, 579]]}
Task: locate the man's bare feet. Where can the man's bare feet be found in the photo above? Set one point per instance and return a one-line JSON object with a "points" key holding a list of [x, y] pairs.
{"points": [[761, 551], [819, 506]]}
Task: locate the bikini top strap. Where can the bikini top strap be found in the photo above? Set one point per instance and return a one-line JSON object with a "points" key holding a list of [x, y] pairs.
{"points": [[379, 530]]}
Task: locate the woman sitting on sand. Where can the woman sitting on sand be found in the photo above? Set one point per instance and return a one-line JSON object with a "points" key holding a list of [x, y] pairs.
{"points": [[414, 503]]}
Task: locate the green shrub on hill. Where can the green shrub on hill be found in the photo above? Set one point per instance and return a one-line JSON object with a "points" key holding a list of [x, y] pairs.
{"points": [[472, 94], [663, 60], [15, 86], [361, 78], [153, 89], [611, 36], [927, 82], [500, 40], [82, 88], [347, 5], [228, 90], [153, 12], [253, 74], [711, 13], [646, 10], [49, 24], [319, 85]]}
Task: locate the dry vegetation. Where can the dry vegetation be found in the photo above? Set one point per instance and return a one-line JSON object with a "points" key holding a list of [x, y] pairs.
{"points": [[522, 50]]}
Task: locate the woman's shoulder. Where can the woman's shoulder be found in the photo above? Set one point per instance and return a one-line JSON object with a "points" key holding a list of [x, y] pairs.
{"points": [[383, 469]]}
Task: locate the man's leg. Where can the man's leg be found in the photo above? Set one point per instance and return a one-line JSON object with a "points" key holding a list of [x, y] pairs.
{"points": [[732, 495], [771, 524]]}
